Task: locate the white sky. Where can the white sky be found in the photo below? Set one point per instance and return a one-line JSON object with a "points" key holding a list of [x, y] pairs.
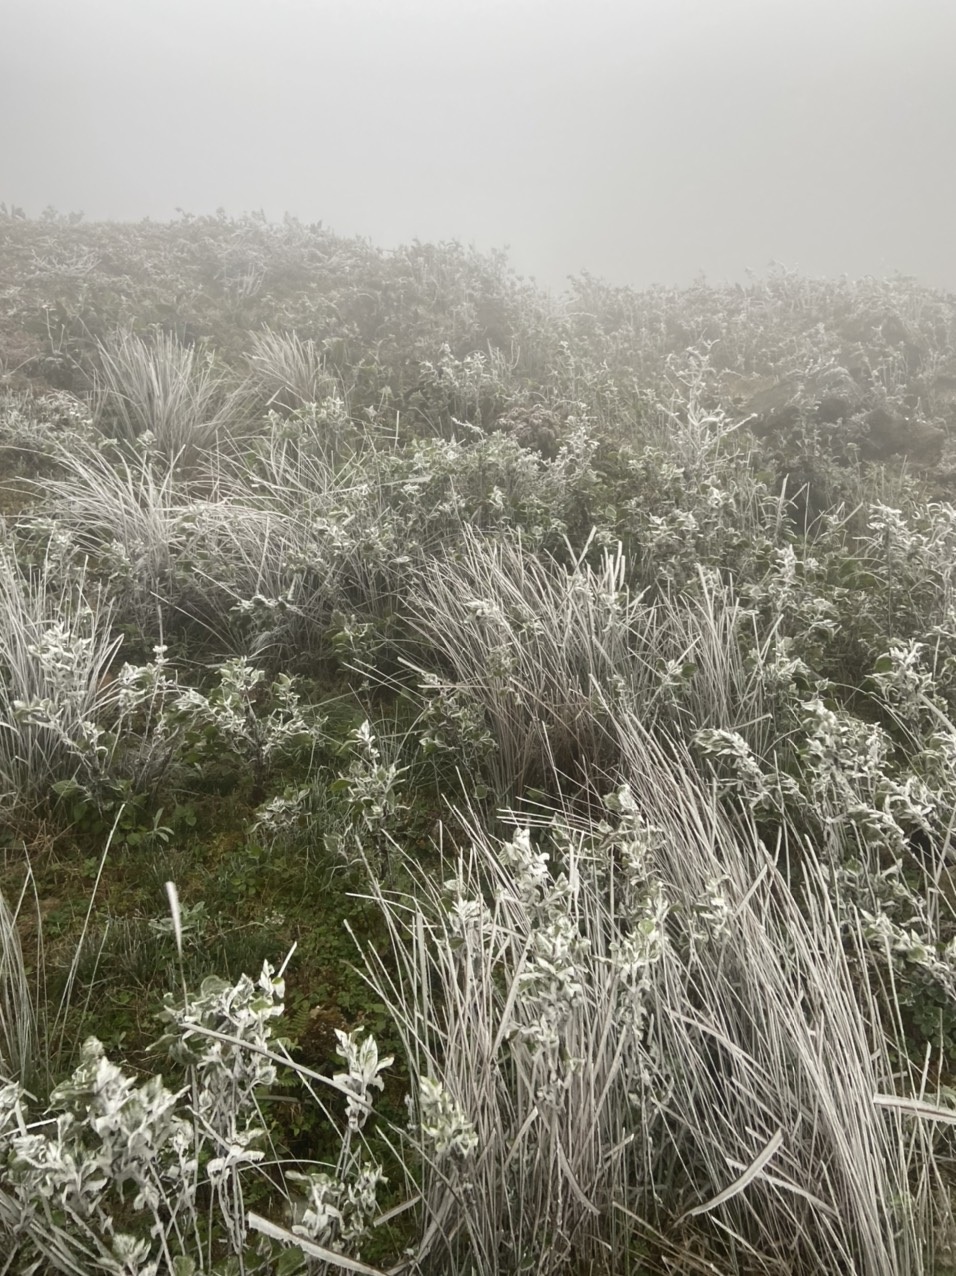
{"points": [[643, 140]]}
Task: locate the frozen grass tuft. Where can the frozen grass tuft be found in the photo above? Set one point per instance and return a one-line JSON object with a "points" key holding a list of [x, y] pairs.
{"points": [[553, 653], [18, 1027], [531, 642], [56, 646], [290, 370], [126, 513], [644, 1035], [162, 388]]}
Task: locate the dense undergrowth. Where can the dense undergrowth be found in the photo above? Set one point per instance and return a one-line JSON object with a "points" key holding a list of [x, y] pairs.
{"points": [[477, 770]]}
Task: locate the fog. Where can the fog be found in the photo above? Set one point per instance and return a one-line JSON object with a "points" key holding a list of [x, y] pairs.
{"points": [[642, 140]]}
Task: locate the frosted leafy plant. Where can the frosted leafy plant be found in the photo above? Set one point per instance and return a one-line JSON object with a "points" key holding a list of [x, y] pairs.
{"points": [[332, 1209], [851, 781], [364, 1073], [280, 817], [746, 776], [115, 733], [371, 790], [451, 722], [243, 1011], [783, 672], [64, 653], [231, 713], [908, 686], [443, 1123], [113, 1175], [552, 979], [339, 1207]]}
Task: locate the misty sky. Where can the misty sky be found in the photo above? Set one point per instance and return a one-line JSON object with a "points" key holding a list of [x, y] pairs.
{"points": [[643, 140]]}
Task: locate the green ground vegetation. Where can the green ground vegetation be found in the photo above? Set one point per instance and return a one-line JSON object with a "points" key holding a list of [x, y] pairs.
{"points": [[477, 769]]}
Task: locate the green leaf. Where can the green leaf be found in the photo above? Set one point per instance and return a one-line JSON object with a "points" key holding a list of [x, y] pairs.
{"points": [[290, 1260]]}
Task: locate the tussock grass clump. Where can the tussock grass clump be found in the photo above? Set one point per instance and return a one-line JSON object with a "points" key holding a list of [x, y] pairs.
{"points": [[553, 653], [644, 1036], [56, 647], [163, 388], [18, 1010], [289, 370], [124, 513], [533, 643]]}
